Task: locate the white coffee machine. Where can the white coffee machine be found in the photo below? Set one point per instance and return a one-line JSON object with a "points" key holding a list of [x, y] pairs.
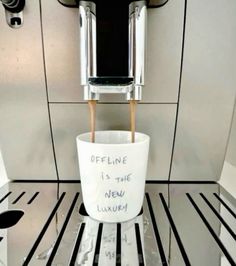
{"points": [[186, 106]]}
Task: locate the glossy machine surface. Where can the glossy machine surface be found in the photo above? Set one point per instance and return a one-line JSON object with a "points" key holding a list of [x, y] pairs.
{"points": [[181, 224], [187, 102]]}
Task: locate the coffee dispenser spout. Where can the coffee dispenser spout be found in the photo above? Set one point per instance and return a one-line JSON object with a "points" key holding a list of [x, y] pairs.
{"points": [[137, 43], [112, 48], [88, 59]]}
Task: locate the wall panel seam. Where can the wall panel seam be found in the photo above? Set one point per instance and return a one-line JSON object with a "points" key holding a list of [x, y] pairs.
{"points": [[179, 90], [46, 86]]}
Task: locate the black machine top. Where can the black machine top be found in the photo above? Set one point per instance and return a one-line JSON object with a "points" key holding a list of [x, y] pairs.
{"points": [[150, 3]]}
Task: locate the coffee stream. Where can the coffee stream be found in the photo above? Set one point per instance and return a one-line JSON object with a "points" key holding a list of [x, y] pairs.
{"points": [[92, 109], [132, 118]]}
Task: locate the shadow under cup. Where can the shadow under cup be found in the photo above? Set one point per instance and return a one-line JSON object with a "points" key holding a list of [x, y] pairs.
{"points": [[113, 172]]}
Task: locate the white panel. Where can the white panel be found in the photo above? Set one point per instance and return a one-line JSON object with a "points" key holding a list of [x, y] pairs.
{"points": [[207, 91], [231, 149], [24, 133], [228, 175], [164, 44], [61, 44], [70, 120]]}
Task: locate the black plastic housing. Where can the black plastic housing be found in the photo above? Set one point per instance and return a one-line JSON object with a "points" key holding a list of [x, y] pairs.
{"points": [[14, 6], [150, 3]]}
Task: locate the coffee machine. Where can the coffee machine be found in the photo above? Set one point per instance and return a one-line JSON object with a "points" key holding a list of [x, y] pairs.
{"points": [[186, 106]]}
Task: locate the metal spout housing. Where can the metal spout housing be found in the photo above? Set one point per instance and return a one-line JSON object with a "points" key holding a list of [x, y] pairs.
{"points": [[130, 84]]}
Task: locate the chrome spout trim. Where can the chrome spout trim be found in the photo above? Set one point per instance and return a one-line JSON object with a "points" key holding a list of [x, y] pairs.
{"points": [[137, 41], [87, 11]]}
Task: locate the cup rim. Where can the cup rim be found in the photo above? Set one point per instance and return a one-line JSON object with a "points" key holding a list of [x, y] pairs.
{"points": [[146, 138]]}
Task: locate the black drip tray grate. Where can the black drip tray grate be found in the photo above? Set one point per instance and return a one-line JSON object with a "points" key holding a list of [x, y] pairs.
{"points": [[180, 224]]}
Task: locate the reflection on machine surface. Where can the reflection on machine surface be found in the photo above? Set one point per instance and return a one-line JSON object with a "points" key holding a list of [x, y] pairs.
{"points": [[180, 224]]}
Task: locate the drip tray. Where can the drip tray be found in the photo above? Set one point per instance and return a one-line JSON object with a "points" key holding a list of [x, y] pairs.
{"points": [[180, 224]]}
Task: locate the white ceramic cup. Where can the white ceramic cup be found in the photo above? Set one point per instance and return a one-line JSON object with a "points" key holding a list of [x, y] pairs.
{"points": [[113, 172]]}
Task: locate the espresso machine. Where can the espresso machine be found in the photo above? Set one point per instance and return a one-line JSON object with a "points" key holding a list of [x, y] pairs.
{"points": [[177, 59]]}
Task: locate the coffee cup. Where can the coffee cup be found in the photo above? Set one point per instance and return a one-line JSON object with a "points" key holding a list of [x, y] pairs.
{"points": [[113, 172]]}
